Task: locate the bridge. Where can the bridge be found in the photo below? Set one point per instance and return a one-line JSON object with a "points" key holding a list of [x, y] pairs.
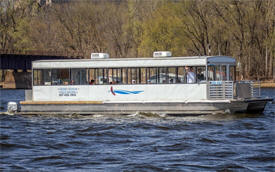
{"points": [[15, 67]]}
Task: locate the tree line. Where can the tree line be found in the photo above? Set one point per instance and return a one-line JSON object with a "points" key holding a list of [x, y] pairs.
{"points": [[133, 28]]}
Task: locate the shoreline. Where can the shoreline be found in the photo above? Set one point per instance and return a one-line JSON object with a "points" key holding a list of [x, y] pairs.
{"points": [[268, 85]]}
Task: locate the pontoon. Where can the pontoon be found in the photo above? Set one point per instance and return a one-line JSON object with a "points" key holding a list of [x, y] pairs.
{"points": [[159, 84]]}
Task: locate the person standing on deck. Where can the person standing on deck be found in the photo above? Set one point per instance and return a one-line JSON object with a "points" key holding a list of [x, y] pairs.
{"points": [[191, 77]]}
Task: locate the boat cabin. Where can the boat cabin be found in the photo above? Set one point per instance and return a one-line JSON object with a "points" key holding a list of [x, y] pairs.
{"points": [[154, 79]]}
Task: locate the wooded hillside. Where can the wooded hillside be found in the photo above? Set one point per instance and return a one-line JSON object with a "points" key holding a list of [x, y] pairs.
{"points": [[243, 29]]}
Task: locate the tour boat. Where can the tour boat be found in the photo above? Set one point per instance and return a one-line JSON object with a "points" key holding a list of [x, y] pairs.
{"points": [[159, 84]]}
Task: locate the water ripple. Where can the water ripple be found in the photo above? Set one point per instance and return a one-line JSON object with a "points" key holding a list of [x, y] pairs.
{"points": [[138, 142]]}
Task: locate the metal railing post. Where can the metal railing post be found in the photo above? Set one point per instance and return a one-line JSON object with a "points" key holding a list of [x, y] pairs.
{"points": [[220, 90]]}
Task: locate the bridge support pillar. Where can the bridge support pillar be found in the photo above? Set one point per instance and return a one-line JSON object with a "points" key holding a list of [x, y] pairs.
{"points": [[9, 81], [16, 79]]}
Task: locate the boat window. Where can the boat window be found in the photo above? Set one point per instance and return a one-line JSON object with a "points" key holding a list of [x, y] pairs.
{"points": [[145, 75], [134, 77], [124, 75], [79, 77], [211, 73], [101, 76], [223, 73], [201, 74], [139, 75], [115, 76], [46, 77], [129, 76], [111, 76], [84, 77], [119, 74], [92, 76], [220, 72], [106, 76], [217, 73], [181, 73], [162, 75], [75, 76], [191, 74], [37, 77], [152, 75], [172, 75], [60, 76], [143, 78]]}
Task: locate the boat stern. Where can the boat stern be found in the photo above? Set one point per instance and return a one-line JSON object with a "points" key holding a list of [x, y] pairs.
{"points": [[257, 105]]}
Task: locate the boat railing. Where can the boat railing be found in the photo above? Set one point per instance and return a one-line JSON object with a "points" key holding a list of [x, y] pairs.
{"points": [[218, 90], [256, 89], [247, 89]]}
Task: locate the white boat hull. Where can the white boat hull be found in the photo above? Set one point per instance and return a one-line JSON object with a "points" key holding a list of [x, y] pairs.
{"points": [[207, 107]]}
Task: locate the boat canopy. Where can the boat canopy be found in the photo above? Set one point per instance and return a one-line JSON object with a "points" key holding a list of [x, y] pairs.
{"points": [[135, 62], [221, 60]]}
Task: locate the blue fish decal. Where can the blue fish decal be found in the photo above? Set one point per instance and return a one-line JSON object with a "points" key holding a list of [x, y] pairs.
{"points": [[114, 92]]}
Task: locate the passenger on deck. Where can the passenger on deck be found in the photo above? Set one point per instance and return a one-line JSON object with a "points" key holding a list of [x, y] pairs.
{"points": [[191, 77], [218, 75], [171, 81], [92, 82], [210, 74], [200, 75]]}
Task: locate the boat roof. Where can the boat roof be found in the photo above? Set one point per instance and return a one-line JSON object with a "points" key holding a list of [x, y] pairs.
{"points": [[135, 62]]}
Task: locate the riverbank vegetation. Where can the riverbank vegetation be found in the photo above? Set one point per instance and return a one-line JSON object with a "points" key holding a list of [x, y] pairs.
{"points": [[243, 29]]}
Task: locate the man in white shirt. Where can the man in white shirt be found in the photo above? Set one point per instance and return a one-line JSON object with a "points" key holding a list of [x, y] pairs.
{"points": [[191, 77]]}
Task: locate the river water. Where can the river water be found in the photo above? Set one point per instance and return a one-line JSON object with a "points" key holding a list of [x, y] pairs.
{"points": [[239, 142]]}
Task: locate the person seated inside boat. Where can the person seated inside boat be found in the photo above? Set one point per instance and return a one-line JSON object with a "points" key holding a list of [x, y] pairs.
{"points": [[112, 82], [171, 81], [92, 82], [191, 77], [200, 75], [105, 81]]}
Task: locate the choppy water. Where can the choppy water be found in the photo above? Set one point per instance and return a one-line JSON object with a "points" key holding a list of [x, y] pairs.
{"points": [[243, 142]]}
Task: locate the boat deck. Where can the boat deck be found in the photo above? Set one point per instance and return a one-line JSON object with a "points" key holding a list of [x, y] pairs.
{"points": [[59, 102]]}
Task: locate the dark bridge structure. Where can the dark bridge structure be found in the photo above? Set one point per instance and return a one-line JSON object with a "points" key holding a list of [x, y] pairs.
{"points": [[15, 67]]}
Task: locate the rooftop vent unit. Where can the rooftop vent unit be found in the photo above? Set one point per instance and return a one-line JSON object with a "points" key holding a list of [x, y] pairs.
{"points": [[99, 56], [162, 54]]}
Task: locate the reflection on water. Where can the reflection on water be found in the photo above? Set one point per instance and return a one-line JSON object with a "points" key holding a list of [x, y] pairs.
{"points": [[137, 142]]}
